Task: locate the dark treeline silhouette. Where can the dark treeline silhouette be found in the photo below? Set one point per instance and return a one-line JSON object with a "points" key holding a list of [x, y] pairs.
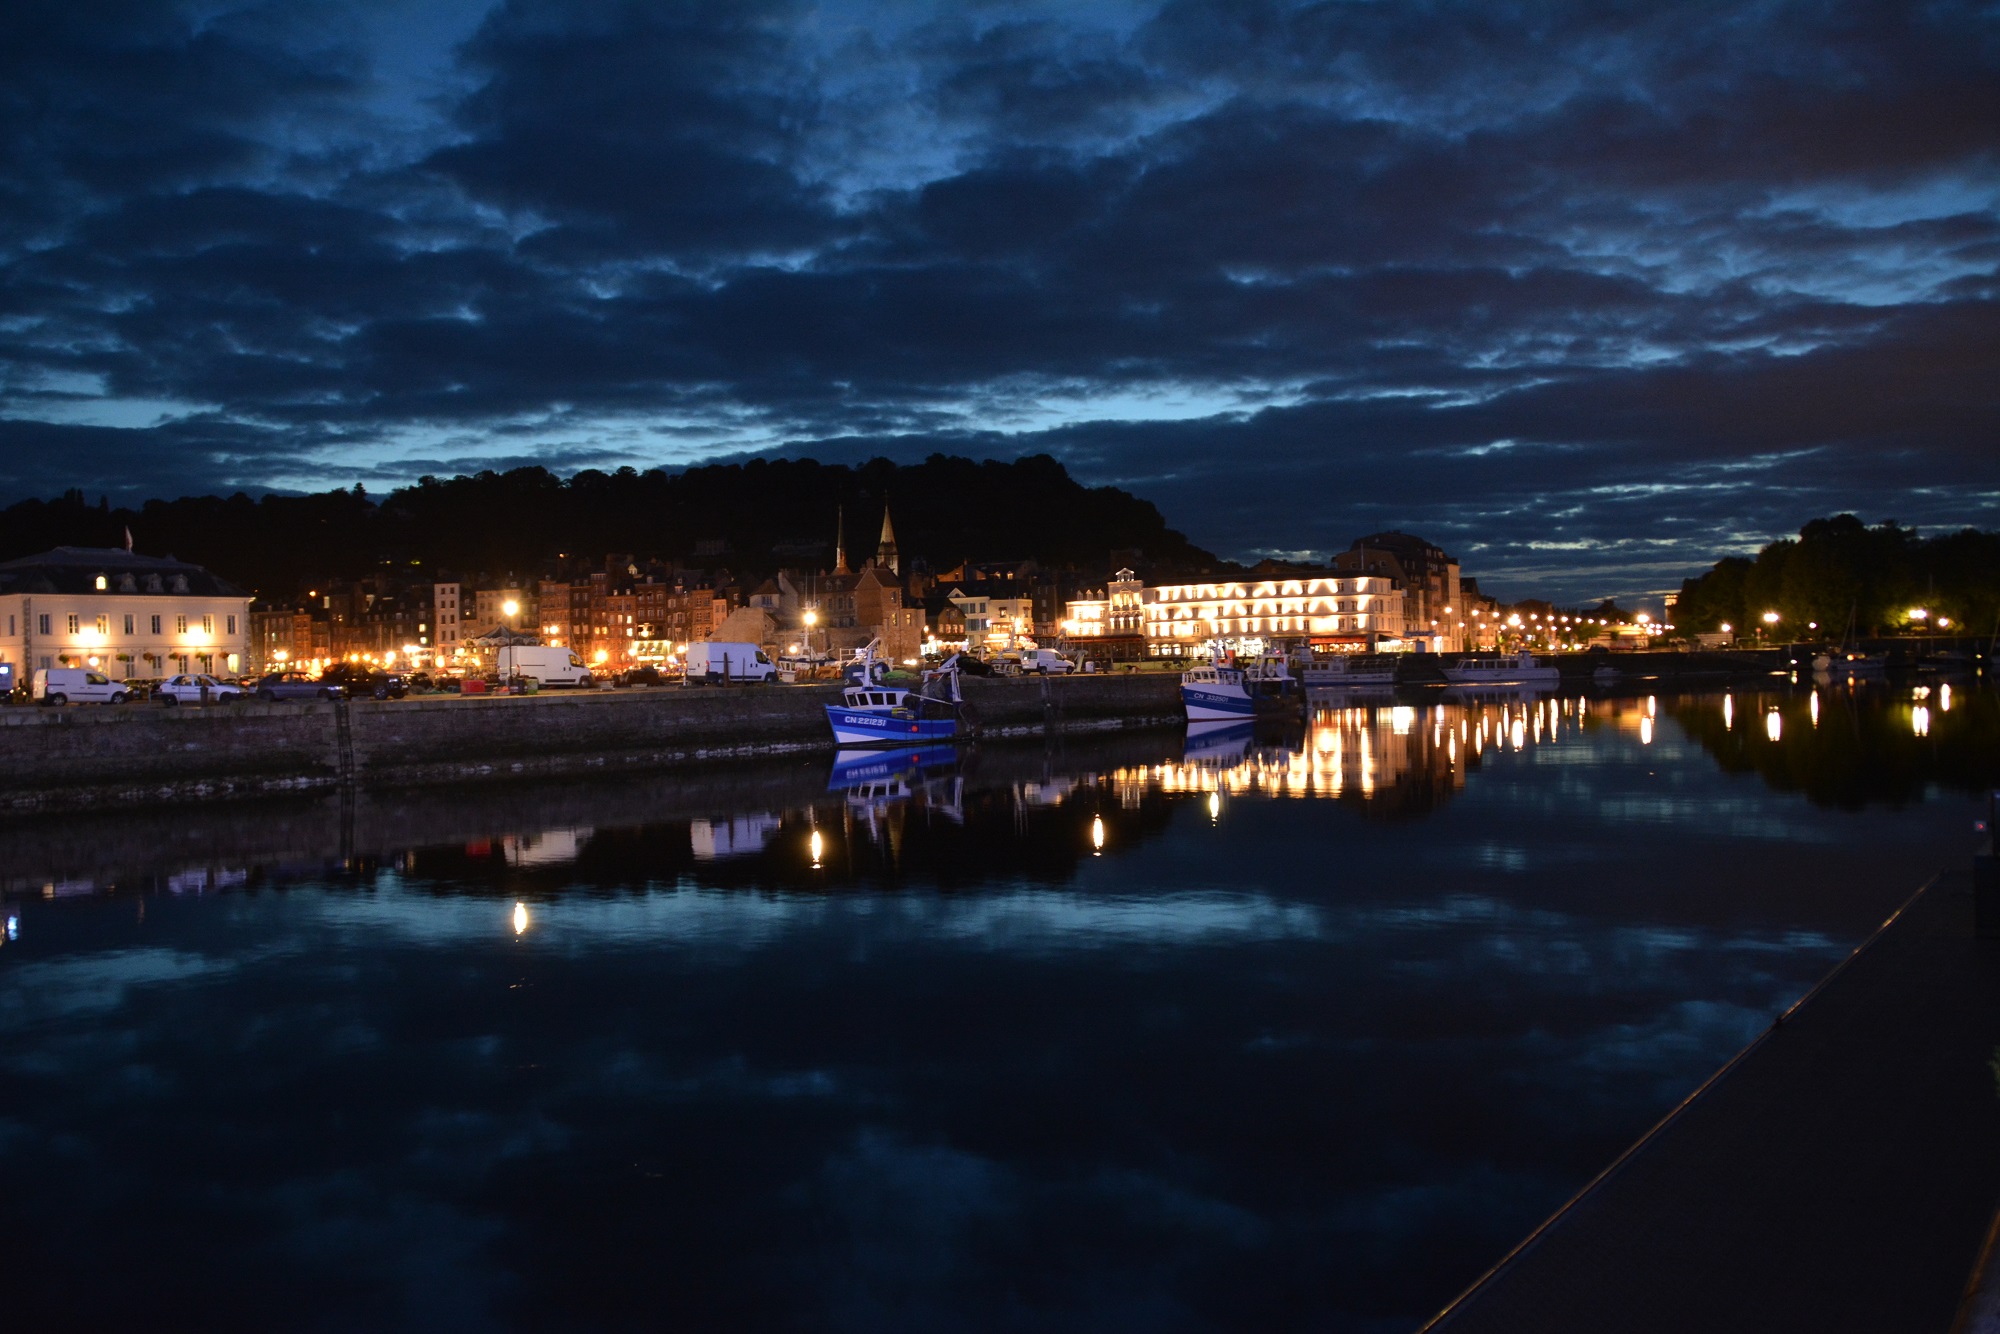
{"points": [[1840, 567], [768, 513]]}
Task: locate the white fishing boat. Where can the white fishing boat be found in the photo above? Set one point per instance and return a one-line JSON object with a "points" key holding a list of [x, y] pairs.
{"points": [[1521, 670]]}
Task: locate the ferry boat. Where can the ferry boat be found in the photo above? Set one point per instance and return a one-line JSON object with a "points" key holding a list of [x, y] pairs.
{"points": [[874, 714], [1348, 669], [1217, 694], [1520, 670]]}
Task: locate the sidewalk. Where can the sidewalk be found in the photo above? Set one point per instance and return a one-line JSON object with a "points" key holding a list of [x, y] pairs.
{"points": [[1841, 1174]]}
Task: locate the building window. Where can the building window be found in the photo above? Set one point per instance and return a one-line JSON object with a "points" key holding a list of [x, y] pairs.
{"points": [[104, 625], [208, 625], [101, 584], [180, 625], [232, 625], [42, 624], [74, 622], [156, 625], [129, 618]]}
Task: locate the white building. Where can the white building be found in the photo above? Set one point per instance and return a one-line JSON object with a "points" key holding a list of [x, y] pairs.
{"points": [[1329, 610], [123, 614]]}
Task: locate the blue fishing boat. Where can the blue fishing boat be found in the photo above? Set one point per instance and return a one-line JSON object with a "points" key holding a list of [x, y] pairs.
{"points": [[1216, 694], [875, 714]]}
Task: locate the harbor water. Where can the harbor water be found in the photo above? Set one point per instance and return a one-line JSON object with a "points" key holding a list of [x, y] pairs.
{"points": [[1268, 1027]]}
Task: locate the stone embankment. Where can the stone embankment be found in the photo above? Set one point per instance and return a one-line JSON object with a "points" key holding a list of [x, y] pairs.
{"points": [[82, 757]]}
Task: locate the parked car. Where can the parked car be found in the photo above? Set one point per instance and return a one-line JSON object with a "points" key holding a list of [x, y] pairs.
{"points": [[360, 682], [640, 676], [188, 688], [77, 685], [295, 685]]}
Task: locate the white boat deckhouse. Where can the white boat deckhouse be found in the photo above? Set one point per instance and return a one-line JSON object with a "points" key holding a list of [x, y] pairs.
{"points": [[1330, 610]]}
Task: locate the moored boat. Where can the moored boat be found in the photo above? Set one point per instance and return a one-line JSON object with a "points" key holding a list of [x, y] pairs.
{"points": [[1216, 694], [1348, 669], [1520, 670], [872, 713]]}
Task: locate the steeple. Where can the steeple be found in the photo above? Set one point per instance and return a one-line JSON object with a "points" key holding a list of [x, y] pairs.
{"points": [[885, 551], [840, 540]]}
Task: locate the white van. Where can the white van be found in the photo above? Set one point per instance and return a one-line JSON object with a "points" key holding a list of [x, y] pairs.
{"points": [[77, 685], [744, 662], [1046, 661], [549, 666]]}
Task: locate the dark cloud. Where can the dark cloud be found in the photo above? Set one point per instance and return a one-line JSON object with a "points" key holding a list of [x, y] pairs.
{"points": [[1586, 291]]}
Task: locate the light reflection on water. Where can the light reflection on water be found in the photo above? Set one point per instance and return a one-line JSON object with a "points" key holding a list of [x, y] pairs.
{"points": [[1264, 1029]]}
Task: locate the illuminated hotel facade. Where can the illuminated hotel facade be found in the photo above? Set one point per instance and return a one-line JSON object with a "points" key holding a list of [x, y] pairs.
{"points": [[1329, 610], [121, 614]]}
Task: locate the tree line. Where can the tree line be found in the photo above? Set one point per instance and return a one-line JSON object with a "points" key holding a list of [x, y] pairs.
{"points": [[1841, 568], [750, 518]]}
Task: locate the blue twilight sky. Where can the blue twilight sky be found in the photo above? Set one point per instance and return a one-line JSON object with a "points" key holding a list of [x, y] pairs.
{"points": [[1588, 293]]}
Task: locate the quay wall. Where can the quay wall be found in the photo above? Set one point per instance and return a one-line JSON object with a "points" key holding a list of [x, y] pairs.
{"points": [[80, 757]]}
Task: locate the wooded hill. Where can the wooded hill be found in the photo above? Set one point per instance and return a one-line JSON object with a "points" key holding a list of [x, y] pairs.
{"points": [[1839, 566], [750, 517]]}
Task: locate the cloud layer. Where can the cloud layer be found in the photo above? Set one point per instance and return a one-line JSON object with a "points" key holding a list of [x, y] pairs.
{"points": [[1586, 292]]}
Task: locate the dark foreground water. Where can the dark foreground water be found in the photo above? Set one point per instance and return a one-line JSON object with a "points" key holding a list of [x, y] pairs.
{"points": [[1251, 1033]]}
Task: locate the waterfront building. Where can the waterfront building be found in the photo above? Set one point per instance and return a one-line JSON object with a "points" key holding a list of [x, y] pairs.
{"points": [[998, 615], [123, 614], [1329, 610], [1110, 624], [1433, 607], [448, 638]]}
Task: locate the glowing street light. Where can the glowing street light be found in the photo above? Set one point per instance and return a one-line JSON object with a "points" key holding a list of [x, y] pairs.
{"points": [[1770, 618]]}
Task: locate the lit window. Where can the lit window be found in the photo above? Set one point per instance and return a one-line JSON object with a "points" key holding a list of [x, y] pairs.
{"points": [[101, 583]]}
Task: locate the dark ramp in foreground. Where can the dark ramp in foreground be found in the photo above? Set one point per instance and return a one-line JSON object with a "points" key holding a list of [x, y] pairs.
{"points": [[1839, 1175]]}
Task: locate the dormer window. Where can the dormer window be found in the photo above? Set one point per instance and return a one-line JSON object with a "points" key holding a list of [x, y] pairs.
{"points": [[152, 583], [180, 583], [102, 583], [127, 584]]}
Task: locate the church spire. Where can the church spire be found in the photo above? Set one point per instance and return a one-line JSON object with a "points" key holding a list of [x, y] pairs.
{"points": [[840, 540], [885, 551]]}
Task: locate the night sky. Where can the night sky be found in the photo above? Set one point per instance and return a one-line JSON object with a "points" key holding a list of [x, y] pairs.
{"points": [[1589, 293]]}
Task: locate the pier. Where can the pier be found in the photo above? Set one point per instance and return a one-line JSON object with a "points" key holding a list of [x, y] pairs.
{"points": [[83, 758], [1839, 1174]]}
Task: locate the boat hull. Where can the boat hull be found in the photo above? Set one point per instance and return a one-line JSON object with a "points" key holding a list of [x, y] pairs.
{"points": [[1207, 705], [860, 727], [1514, 678]]}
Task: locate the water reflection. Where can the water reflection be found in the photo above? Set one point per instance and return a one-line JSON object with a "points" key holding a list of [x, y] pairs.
{"points": [[1020, 1037]]}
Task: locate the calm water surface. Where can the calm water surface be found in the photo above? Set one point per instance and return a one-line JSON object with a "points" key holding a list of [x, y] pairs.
{"points": [[1225, 1032]]}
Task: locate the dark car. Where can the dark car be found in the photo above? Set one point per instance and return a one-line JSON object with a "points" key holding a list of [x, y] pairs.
{"points": [[640, 676], [294, 685], [359, 682]]}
